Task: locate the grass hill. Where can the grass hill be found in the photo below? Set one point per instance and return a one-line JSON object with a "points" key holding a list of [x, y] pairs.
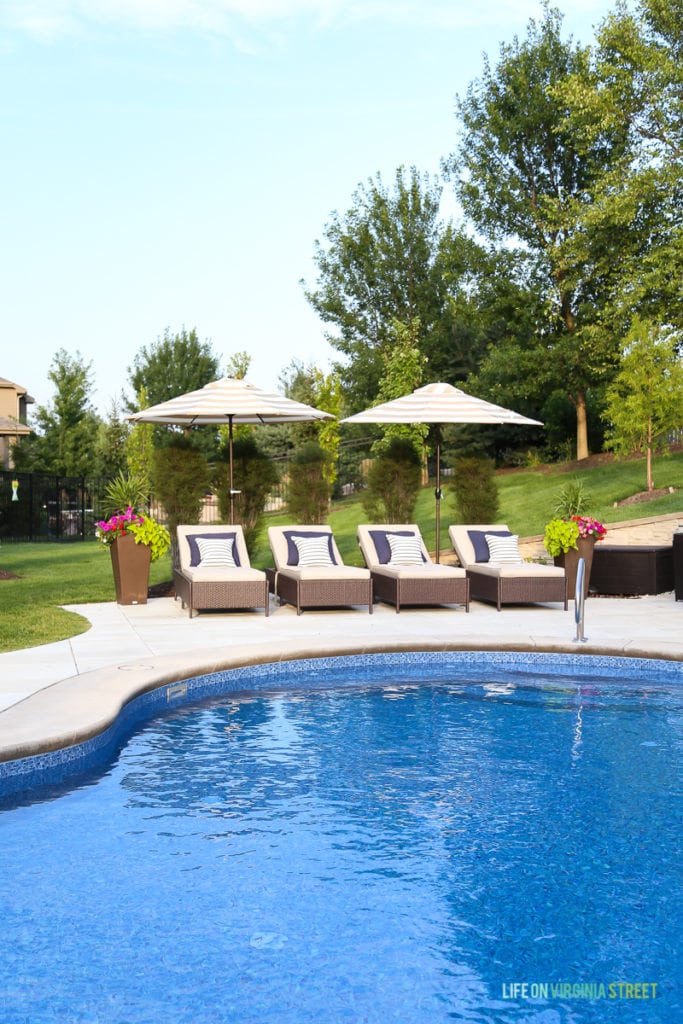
{"points": [[528, 498]]}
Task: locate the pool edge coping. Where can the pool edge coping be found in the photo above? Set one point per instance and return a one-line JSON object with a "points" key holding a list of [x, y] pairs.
{"points": [[81, 707]]}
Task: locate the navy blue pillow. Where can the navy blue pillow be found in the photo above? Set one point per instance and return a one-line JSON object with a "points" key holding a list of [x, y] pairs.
{"points": [[481, 548], [293, 551], [381, 543], [195, 557]]}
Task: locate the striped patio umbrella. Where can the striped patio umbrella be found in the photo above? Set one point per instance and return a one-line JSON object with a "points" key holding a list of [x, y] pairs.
{"points": [[438, 404], [229, 401]]}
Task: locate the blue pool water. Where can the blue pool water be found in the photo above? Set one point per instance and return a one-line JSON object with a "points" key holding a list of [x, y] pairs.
{"points": [[410, 841]]}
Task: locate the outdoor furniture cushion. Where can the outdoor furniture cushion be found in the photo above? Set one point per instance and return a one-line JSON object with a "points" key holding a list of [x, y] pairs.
{"points": [[404, 550]]}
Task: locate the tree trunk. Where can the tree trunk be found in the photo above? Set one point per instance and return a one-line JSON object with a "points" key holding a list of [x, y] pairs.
{"points": [[650, 481], [580, 401], [582, 451]]}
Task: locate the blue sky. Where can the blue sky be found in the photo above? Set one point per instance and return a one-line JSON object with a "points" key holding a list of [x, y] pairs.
{"points": [[170, 163]]}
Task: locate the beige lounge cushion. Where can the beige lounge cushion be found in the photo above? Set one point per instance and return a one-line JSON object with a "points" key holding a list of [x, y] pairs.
{"points": [[324, 572], [426, 571], [516, 570], [222, 574]]}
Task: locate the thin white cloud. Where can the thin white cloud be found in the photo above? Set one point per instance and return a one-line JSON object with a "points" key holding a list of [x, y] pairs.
{"points": [[53, 18]]}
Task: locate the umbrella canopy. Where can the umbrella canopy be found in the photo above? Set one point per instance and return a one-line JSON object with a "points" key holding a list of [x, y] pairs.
{"points": [[439, 403], [230, 401]]}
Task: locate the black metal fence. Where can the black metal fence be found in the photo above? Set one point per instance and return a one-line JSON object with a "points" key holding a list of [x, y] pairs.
{"points": [[43, 507]]}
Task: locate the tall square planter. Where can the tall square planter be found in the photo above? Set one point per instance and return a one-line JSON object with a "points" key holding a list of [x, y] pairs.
{"points": [[130, 563], [570, 564]]}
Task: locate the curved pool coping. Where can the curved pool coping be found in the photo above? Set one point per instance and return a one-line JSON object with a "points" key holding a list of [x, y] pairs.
{"points": [[58, 723]]}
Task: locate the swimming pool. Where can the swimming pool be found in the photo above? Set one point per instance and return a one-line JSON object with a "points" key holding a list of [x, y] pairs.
{"points": [[416, 838]]}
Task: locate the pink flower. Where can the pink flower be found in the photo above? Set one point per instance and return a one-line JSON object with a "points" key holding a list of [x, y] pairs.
{"points": [[116, 526], [589, 527]]}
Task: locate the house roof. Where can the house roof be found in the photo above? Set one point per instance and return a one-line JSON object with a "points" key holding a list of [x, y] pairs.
{"points": [[4, 383], [13, 427]]}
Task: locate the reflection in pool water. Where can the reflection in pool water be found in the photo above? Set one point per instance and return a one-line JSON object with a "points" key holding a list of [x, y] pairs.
{"points": [[404, 848]]}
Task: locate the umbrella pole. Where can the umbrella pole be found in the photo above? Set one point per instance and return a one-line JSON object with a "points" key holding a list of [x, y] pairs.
{"points": [[232, 493], [437, 492]]}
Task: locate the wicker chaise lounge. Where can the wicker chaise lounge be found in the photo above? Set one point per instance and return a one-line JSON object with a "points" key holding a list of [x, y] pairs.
{"points": [[511, 581], [214, 570], [404, 574], [310, 572]]}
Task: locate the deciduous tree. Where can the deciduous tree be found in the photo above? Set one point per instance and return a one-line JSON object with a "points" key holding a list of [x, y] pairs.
{"points": [[522, 178], [66, 429], [634, 87], [173, 365], [645, 400], [391, 257]]}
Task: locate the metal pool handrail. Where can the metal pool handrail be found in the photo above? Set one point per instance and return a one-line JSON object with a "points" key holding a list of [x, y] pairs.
{"points": [[579, 601]]}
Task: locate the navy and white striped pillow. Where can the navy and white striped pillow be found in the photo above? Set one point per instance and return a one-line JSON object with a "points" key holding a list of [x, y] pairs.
{"points": [[504, 550], [215, 552], [313, 550], [405, 550]]}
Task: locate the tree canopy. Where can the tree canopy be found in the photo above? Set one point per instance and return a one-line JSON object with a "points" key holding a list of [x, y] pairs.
{"points": [[66, 430], [391, 258], [522, 179], [171, 366], [634, 87]]}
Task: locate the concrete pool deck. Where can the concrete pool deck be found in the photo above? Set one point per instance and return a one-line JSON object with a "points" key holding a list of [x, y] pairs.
{"points": [[62, 693]]}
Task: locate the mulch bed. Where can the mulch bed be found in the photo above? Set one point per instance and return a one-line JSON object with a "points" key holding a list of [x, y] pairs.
{"points": [[636, 499], [165, 589]]}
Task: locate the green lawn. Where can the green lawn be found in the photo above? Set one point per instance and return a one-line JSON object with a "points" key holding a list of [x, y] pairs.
{"points": [[51, 575]]}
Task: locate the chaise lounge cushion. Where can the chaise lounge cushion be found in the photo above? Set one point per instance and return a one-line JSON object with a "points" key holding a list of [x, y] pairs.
{"points": [[375, 546], [217, 574], [281, 540]]}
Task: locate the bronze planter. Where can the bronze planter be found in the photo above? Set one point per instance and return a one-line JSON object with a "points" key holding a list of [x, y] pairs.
{"points": [[570, 564], [130, 563]]}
